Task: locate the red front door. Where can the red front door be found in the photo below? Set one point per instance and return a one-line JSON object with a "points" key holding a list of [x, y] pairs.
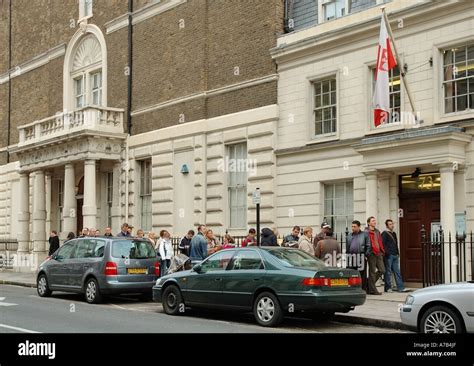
{"points": [[418, 209]]}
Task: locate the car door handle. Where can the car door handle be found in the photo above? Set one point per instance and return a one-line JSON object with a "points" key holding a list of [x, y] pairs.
{"points": [[257, 279], [218, 279]]}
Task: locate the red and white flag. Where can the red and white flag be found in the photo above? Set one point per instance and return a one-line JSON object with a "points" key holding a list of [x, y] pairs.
{"points": [[385, 62]]}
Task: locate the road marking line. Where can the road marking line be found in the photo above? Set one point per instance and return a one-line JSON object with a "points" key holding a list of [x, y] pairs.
{"points": [[19, 329], [5, 303]]}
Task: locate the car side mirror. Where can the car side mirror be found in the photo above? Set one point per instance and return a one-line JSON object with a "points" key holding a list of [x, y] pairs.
{"points": [[197, 268], [58, 258]]}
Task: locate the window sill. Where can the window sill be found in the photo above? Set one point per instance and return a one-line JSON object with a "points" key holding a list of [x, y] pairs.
{"points": [[385, 129], [323, 138], [455, 117]]}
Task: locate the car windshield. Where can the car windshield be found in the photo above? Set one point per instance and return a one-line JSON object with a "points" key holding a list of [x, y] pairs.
{"points": [[297, 258], [133, 249]]}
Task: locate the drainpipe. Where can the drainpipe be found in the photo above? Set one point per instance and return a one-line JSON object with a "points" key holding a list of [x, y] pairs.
{"points": [[9, 77], [287, 17], [129, 106], [127, 176], [130, 67]]}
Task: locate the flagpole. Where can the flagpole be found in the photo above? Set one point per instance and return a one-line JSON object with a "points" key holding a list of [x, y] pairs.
{"points": [[400, 67]]}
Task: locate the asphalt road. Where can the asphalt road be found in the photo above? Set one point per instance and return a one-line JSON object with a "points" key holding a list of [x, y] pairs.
{"points": [[22, 310]]}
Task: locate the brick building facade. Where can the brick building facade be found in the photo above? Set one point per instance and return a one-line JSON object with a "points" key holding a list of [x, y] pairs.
{"points": [[116, 111]]}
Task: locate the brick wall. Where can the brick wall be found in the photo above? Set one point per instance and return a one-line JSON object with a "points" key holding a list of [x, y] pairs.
{"points": [[169, 62], [218, 36], [36, 29]]}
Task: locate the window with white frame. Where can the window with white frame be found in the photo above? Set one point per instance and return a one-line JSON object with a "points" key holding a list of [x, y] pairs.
{"points": [[339, 205], [109, 195], [86, 73], [333, 9], [394, 93], [60, 192], [96, 85], [458, 78], [325, 106], [85, 8], [145, 194], [79, 93], [237, 185]]}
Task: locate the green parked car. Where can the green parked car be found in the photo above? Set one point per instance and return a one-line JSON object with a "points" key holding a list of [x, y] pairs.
{"points": [[270, 281]]}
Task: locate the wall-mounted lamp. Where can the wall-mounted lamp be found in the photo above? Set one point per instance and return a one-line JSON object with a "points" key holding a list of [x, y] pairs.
{"points": [[184, 169]]}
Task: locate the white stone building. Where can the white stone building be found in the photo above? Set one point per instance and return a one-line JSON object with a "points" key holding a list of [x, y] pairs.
{"points": [[332, 164]]}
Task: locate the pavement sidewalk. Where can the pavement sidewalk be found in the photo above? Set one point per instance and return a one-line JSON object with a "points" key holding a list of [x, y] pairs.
{"points": [[378, 310], [381, 311], [8, 277]]}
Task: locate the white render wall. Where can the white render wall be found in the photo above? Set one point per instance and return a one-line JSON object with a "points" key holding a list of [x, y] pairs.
{"points": [[203, 145], [346, 48], [351, 58]]}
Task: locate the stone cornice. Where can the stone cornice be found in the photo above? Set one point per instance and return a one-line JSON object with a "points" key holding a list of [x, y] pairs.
{"points": [[294, 45], [142, 14], [93, 147], [210, 93], [34, 63]]}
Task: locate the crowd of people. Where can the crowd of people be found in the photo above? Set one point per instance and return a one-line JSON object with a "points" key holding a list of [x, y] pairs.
{"points": [[364, 248], [368, 248]]}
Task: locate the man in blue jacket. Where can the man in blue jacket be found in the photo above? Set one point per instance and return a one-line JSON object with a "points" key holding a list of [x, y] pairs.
{"points": [[198, 249]]}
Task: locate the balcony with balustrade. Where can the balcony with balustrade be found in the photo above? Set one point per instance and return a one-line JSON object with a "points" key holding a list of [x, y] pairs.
{"points": [[91, 120]]}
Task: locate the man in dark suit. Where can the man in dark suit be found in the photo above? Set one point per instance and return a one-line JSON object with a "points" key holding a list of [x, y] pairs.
{"points": [[53, 242]]}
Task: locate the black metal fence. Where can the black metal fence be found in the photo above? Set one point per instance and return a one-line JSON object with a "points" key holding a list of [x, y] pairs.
{"points": [[446, 258]]}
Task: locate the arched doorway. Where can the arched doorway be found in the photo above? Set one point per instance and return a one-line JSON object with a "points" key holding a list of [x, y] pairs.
{"points": [[80, 202]]}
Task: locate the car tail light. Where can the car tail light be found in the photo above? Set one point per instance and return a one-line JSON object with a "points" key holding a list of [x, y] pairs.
{"points": [[320, 282], [355, 281], [157, 269], [111, 269]]}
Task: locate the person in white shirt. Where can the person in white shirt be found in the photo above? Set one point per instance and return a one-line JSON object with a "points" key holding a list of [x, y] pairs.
{"points": [[165, 250]]}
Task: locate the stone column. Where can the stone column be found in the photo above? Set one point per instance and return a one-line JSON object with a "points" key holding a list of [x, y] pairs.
{"points": [[384, 200], [48, 187], [448, 220], [447, 199], [70, 203], [89, 210], [116, 209], [39, 219], [371, 194], [24, 214]]}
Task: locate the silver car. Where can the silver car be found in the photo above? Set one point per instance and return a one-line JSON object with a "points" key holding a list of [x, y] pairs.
{"points": [[100, 266], [440, 309]]}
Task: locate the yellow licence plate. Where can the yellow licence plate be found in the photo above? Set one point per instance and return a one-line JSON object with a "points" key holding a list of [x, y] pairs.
{"points": [[136, 270], [340, 282]]}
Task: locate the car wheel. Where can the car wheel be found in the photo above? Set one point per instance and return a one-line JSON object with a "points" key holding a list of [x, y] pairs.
{"points": [[267, 310], [172, 300], [440, 319], [42, 286], [93, 295]]}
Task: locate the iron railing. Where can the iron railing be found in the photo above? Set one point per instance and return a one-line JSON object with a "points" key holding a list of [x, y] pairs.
{"points": [[446, 258]]}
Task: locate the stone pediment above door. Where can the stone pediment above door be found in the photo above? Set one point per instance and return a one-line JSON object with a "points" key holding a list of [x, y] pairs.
{"points": [[417, 147]]}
